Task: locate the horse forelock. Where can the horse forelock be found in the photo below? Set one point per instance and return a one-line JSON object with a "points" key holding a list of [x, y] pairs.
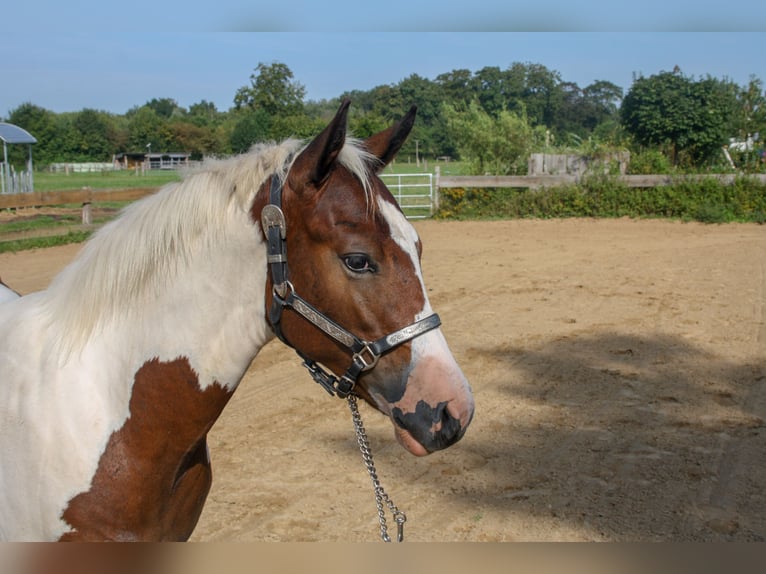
{"points": [[360, 163], [152, 239]]}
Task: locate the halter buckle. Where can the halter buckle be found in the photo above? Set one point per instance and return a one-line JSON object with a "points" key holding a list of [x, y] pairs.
{"points": [[272, 216], [361, 357], [341, 387]]}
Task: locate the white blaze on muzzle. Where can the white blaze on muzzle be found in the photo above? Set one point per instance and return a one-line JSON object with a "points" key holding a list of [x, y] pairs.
{"points": [[437, 405]]}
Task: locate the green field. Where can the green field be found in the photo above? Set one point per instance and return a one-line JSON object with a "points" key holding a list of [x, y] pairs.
{"points": [[46, 181]]}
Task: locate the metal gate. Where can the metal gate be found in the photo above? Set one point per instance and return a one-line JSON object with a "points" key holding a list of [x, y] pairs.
{"points": [[413, 191]]}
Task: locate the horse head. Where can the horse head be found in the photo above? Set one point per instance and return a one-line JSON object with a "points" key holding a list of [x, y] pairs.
{"points": [[353, 293]]}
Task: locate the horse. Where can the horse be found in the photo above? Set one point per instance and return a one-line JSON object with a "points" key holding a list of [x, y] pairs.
{"points": [[113, 376]]}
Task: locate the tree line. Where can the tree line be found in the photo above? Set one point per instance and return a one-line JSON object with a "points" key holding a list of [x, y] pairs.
{"points": [[491, 117]]}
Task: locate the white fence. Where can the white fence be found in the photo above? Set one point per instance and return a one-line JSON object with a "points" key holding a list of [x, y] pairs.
{"points": [[12, 181], [83, 167], [413, 191]]}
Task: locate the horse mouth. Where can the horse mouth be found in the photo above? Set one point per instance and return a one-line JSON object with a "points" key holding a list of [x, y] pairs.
{"points": [[405, 438], [428, 429]]}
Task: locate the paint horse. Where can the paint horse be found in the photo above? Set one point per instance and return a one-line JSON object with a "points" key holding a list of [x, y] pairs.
{"points": [[111, 378]]}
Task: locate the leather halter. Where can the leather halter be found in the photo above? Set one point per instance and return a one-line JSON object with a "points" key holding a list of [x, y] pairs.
{"points": [[364, 354]]}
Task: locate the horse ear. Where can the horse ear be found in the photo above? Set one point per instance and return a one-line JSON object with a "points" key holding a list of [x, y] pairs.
{"points": [[313, 164], [385, 145]]}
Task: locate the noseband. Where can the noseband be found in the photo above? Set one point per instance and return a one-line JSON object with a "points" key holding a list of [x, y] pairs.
{"points": [[364, 354]]}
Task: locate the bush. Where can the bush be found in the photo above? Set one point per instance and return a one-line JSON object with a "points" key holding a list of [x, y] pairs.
{"points": [[706, 200], [648, 162]]}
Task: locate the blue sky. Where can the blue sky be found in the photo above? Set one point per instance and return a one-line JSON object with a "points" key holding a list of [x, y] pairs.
{"points": [[116, 56]]}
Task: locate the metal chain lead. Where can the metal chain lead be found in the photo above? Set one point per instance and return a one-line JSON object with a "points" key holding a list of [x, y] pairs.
{"points": [[381, 496]]}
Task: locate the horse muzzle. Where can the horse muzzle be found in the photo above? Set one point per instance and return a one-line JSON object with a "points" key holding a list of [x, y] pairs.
{"points": [[430, 427], [435, 408]]}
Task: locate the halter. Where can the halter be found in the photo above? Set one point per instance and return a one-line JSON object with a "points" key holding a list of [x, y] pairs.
{"points": [[364, 354]]}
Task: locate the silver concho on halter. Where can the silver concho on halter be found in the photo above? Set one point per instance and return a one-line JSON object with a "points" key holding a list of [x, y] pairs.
{"points": [[272, 216]]}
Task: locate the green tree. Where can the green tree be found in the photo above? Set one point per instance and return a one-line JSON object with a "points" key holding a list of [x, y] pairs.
{"points": [[456, 86], [750, 116], [365, 124], [582, 111], [252, 127], [295, 126], [92, 137], [165, 107], [43, 125], [146, 128], [489, 84], [569, 120], [387, 102], [273, 90], [686, 117], [534, 88], [203, 113], [497, 145], [193, 139]]}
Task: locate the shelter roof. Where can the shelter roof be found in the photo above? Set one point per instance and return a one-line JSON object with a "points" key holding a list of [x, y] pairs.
{"points": [[12, 134]]}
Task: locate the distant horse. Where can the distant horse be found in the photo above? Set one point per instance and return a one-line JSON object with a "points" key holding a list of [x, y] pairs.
{"points": [[111, 378]]}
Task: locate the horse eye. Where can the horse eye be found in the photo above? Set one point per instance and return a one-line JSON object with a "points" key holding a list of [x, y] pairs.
{"points": [[359, 263]]}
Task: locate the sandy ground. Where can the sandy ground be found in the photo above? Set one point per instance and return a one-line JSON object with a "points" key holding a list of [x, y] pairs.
{"points": [[619, 370]]}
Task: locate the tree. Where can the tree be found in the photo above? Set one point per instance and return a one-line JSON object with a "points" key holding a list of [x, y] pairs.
{"points": [[165, 107], [456, 87], [689, 118], [489, 84], [271, 90], [500, 146], [43, 125], [569, 120], [605, 95], [363, 125], [193, 139], [92, 137], [750, 117], [602, 100], [146, 127], [252, 127], [534, 88], [203, 113]]}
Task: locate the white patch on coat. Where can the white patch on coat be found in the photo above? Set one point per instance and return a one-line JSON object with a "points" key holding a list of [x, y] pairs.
{"points": [[7, 294], [56, 416]]}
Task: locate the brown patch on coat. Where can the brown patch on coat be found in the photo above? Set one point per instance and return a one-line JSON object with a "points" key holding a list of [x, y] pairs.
{"points": [[154, 477]]}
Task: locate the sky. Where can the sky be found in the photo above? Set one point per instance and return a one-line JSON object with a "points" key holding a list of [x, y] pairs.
{"points": [[114, 57]]}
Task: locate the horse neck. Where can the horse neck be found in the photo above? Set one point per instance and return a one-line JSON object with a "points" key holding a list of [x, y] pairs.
{"points": [[207, 307], [213, 312]]}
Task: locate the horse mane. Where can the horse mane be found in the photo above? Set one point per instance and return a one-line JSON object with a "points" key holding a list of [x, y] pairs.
{"points": [[142, 249]]}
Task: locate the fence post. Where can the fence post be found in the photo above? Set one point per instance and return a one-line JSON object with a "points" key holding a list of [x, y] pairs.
{"points": [[437, 176], [87, 215]]}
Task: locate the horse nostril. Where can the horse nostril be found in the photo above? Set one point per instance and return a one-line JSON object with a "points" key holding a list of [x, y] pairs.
{"points": [[450, 426], [433, 427]]}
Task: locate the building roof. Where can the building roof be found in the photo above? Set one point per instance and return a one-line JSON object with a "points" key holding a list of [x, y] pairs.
{"points": [[15, 135]]}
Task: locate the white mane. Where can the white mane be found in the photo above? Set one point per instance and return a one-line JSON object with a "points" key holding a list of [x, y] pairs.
{"points": [[142, 249]]}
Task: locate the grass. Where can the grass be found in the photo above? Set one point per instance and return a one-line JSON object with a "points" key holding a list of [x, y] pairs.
{"points": [[16, 245], [40, 222], [123, 179], [56, 229]]}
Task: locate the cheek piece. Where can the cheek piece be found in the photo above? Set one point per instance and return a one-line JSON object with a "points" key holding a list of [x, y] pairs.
{"points": [[364, 354]]}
